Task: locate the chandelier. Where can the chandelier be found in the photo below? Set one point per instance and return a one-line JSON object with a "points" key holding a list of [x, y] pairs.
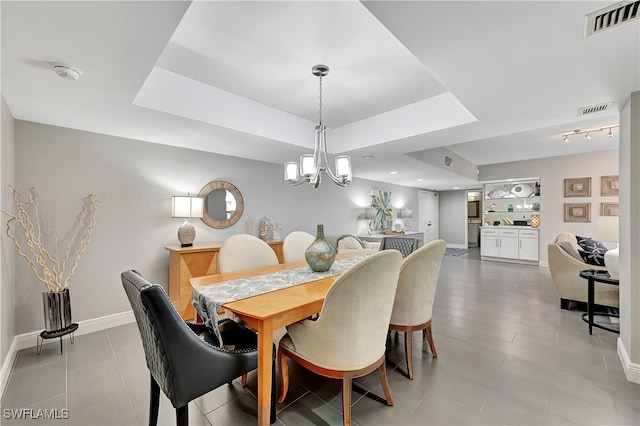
{"points": [[312, 165]]}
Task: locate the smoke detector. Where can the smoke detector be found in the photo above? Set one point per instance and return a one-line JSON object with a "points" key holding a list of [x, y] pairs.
{"points": [[66, 72]]}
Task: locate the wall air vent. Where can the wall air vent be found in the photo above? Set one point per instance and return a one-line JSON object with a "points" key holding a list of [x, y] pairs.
{"points": [[594, 108], [447, 161], [612, 16]]}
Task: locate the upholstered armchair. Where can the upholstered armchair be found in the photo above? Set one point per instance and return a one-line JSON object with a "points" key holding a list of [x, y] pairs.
{"points": [[295, 244], [185, 360], [348, 338], [413, 304], [244, 251], [565, 264]]}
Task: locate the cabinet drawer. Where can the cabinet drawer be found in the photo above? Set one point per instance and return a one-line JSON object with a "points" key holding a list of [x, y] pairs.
{"points": [[489, 232], [508, 233], [525, 233]]}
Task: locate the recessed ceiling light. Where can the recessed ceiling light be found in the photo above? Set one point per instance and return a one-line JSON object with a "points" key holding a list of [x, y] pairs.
{"points": [[456, 187], [393, 173], [367, 157], [420, 180]]}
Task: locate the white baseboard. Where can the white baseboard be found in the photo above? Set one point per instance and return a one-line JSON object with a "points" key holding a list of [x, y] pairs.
{"points": [[30, 339], [631, 369], [7, 365]]}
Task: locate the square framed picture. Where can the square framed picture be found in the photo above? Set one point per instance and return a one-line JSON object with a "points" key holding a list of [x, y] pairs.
{"points": [[609, 209], [577, 187], [610, 186], [577, 212]]}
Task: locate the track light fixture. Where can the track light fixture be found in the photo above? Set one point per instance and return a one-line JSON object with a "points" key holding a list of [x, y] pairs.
{"points": [[587, 132]]}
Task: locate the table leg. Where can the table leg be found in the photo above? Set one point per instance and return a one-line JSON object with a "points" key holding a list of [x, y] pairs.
{"points": [[590, 303], [265, 359]]}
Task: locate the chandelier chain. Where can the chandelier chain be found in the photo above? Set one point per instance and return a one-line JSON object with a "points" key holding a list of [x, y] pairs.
{"points": [[320, 109]]}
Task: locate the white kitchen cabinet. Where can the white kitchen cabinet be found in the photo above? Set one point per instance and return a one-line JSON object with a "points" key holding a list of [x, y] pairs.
{"points": [[509, 243], [528, 244]]}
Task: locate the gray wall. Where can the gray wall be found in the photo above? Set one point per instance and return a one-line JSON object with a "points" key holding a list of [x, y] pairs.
{"points": [[7, 253], [552, 172], [630, 232], [452, 216], [137, 180]]}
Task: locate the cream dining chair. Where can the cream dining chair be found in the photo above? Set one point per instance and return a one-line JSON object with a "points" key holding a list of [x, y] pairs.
{"points": [[348, 338], [413, 305], [244, 251], [295, 244]]}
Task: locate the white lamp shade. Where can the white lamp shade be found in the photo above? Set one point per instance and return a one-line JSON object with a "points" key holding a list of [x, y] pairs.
{"points": [[405, 214], [291, 171], [343, 167], [307, 165], [370, 213], [186, 206]]}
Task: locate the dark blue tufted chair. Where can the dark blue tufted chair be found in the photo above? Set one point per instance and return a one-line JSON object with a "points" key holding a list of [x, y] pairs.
{"points": [[185, 359], [404, 245]]}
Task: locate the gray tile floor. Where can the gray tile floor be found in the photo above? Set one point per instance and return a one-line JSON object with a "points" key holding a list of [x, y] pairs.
{"points": [[507, 356]]}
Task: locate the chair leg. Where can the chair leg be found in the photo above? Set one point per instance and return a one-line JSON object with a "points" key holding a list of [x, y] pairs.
{"points": [[346, 399], [182, 415], [382, 371], [408, 349], [154, 402], [432, 344], [244, 379], [272, 416], [283, 365]]}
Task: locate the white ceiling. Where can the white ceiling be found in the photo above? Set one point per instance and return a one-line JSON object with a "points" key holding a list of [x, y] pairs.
{"points": [[409, 82]]}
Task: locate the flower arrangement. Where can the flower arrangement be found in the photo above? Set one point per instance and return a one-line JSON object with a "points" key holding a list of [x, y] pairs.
{"points": [[40, 247], [384, 210]]}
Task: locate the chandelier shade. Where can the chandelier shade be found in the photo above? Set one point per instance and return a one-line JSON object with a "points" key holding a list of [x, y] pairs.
{"points": [[311, 166]]}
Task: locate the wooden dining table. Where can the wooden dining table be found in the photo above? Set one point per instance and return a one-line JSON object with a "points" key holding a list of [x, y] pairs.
{"points": [[271, 311]]}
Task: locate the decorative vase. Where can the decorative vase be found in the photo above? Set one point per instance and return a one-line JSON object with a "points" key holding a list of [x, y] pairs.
{"points": [[510, 208], [57, 310], [320, 255], [612, 262], [263, 228]]}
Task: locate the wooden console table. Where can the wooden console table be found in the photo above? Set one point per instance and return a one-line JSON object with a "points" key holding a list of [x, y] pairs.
{"points": [[197, 261]]}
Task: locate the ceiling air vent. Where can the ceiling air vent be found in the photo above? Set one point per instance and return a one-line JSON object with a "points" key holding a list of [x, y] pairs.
{"points": [[612, 16], [447, 161], [594, 108]]}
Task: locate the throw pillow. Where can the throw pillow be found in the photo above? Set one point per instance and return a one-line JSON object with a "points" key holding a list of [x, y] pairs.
{"points": [[592, 251]]}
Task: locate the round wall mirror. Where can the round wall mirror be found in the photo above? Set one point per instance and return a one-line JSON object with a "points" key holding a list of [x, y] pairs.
{"points": [[223, 204]]}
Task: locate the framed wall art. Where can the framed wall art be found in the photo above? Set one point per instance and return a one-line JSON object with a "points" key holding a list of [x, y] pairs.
{"points": [[577, 212], [577, 187], [609, 186], [609, 209]]}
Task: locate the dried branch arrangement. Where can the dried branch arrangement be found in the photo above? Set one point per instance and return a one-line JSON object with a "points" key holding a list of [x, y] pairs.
{"points": [[40, 247]]}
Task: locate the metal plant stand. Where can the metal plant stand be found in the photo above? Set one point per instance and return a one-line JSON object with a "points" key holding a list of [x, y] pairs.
{"points": [[53, 334]]}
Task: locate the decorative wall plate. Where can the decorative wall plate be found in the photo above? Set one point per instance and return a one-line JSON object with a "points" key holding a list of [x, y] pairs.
{"points": [[522, 190], [497, 193]]}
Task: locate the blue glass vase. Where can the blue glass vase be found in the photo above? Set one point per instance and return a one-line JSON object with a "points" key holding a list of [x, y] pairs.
{"points": [[320, 255]]}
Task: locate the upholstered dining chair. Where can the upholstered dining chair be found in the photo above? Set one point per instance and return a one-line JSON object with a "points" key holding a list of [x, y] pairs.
{"points": [[295, 244], [244, 251], [185, 359], [413, 305], [348, 338], [404, 245]]}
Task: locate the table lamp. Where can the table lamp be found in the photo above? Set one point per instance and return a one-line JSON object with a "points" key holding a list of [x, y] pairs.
{"points": [[186, 207], [370, 214], [405, 214], [607, 231]]}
